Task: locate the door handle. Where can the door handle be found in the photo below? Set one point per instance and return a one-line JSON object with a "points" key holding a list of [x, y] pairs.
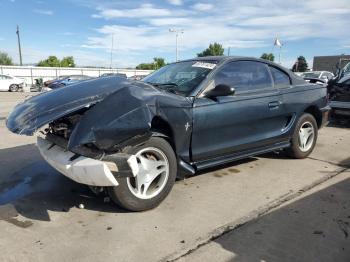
{"points": [[274, 104]]}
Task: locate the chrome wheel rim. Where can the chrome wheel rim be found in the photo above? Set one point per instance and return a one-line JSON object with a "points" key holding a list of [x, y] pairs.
{"points": [[153, 173], [306, 136]]}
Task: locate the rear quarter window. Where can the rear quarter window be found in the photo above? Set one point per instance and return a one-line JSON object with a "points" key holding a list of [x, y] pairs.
{"points": [[280, 78]]}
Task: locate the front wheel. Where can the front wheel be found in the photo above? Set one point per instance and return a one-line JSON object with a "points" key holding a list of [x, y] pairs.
{"points": [[156, 177], [304, 137]]}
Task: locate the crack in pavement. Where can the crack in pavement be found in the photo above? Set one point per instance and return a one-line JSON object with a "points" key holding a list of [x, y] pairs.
{"points": [[330, 162], [217, 233]]}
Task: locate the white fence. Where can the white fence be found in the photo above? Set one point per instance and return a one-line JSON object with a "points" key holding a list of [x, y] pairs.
{"points": [[47, 73]]}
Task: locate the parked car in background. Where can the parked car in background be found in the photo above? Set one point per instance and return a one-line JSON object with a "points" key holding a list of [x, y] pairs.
{"points": [[48, 82], [137, 77], [11, 83], [323, 75], [69, 80], [339, 94], [343, 71], [133, 138], [114, 74]]}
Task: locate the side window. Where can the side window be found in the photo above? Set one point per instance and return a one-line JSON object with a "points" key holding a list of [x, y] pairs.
{"points": [[280, 78], [244, 76]]}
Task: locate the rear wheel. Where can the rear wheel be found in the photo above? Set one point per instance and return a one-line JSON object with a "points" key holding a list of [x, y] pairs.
{"points": [[13, 88], [153, 182], [304, 137]]}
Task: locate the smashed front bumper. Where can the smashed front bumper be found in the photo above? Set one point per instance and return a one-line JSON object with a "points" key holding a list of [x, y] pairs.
{"points": [[82, 169]]}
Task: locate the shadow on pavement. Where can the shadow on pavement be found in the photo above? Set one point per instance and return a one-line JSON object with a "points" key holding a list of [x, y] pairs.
{"points": [[32, 187], [314, 228], [36, 188]]}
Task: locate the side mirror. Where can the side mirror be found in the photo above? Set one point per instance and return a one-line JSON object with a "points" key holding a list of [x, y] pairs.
{"points": [[220, 90]]}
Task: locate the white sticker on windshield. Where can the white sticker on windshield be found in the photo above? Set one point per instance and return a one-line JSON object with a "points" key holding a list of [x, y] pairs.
{"points": [[204, 65]]}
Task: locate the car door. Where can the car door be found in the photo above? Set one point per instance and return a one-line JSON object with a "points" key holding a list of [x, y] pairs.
{"points": [[250, 119], [2, 83], [5, 82]]}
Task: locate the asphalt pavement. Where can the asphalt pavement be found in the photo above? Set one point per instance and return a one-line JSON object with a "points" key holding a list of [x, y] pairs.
{"points": [[267, 208]]}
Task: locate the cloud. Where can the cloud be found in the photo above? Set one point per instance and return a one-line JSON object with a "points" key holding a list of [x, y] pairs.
{"points": [[175, 2], [202, 7], [32, 55], [43, 12], [249, 24], [173, 21], [145, 10]]}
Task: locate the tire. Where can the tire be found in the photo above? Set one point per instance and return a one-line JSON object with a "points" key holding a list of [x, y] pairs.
{"points": [[131, 197], [305, 127], [13, 88]]}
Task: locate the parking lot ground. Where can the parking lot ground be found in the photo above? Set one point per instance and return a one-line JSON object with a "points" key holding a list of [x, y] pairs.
{"points": [[40, 218], [312, 227]]}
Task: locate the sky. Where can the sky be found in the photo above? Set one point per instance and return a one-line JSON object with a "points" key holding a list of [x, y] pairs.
{"points": [[140, 29]]}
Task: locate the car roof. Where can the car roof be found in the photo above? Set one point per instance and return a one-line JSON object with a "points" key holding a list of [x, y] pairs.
{"points": [[222, 59], [214, 58]]}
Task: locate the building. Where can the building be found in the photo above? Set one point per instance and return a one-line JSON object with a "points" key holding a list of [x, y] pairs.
{"points": [[329, 63]]}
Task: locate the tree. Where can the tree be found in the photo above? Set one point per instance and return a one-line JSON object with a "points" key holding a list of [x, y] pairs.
{"points": [[300, 65], [268, 56], [67, 61], [5, 59], [51, 61], [158, 62], [213, 50]]}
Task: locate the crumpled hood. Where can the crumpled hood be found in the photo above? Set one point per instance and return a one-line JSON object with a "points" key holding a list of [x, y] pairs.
{"points": [[35, 112], [123, 113]]}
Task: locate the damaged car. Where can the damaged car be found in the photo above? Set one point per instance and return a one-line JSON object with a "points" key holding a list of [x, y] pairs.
{"points": [[339, 94], [134, 138]]}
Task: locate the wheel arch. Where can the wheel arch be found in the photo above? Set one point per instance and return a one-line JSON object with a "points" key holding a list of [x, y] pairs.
{"points": [[316, 113], [161, 127]]}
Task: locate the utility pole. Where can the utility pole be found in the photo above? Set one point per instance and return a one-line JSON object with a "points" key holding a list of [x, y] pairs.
{"points": [[228, 51], [177, 32], [19, 46], [112, 52]]}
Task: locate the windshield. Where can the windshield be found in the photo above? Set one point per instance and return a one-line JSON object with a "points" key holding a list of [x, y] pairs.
{"points": [[346, 69], [312, 74], [181, 77]]}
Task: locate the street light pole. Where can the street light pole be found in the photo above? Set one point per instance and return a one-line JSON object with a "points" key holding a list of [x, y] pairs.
{"points": [[19, 46], [177, 32]]}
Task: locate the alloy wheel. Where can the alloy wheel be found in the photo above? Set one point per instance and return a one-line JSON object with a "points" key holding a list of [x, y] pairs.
{"points": [[152, 175], [306, 136]]}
